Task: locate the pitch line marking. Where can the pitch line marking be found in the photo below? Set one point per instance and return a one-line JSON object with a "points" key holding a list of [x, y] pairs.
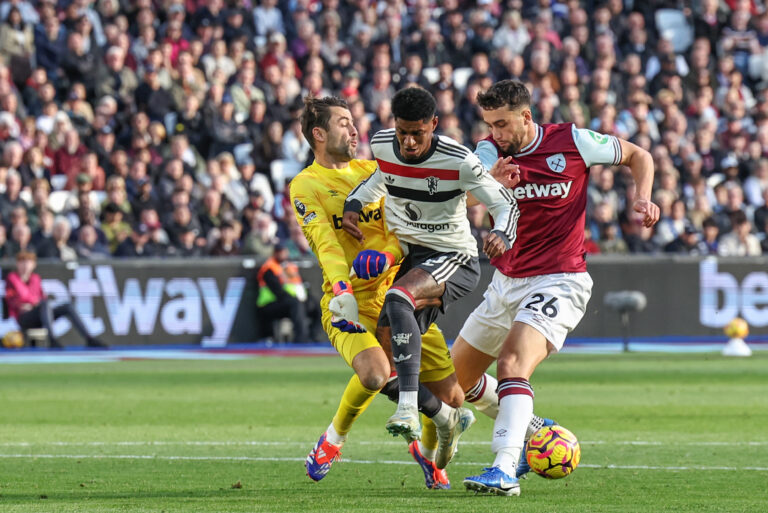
{"points": [[261, 443], [363, 462]]}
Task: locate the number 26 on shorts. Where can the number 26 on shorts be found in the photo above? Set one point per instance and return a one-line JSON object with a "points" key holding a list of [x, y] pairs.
{"points": [[549, 308]]}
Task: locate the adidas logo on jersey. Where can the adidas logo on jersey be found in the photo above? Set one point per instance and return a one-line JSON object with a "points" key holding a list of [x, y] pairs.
{"points": [[543, 190]]}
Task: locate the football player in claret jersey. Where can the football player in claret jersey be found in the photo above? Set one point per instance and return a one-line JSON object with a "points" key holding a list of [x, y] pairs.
{"points": [[541, 287], [425, 179], [351, 306]]}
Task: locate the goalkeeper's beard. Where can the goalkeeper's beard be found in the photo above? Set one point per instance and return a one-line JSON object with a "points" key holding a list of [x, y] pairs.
{"points": [[343, 152]]}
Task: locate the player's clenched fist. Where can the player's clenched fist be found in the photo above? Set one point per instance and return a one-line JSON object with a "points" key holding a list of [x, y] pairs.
{"points": [[343, 308], [370, 263], [495, 244]]}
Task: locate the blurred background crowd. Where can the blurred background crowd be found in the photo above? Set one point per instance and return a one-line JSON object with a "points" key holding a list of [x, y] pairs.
{"points": [[133, 128]]}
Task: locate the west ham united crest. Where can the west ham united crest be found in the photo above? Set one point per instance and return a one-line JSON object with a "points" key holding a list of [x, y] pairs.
{"points": [[556, 162]]}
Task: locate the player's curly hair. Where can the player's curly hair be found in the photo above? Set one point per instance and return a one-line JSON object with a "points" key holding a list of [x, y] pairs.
{"points": [[317, 113], [510, 93], [413, 104]]}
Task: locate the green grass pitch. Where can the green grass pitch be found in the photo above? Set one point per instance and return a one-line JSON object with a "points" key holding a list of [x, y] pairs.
{"points": [[659, 433]]}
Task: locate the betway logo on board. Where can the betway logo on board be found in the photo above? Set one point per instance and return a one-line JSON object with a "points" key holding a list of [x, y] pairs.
{"points": [[543, 190], [180, 314], [722, 297]]}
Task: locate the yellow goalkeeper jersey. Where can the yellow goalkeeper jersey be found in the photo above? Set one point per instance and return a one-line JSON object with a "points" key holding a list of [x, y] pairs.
{"points": [[318, 194]]}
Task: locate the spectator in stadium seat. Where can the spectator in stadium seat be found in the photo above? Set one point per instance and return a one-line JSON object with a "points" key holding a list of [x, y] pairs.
{"points": [[82, 65], [114, 226], [88, 246], [144, 242], [181, 222], [57, 247], [28, 304], [50, 45], [226, 132], [20, 240], [261, 240], [11, 198], [44, 229], [687, 243], [226, 243], [210, 216], [740, 241], [151, 97], [68, 158], [187, 244], [17, 44], [119, 80]]}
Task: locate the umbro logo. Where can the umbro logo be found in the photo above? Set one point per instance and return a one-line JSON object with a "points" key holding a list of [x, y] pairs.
{"points": [[389, 179], [500, 433]]}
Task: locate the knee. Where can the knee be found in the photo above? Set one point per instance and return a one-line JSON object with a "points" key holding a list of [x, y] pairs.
{"points": [[455, 397], [372, 368], [398, 299], [373, 379]]}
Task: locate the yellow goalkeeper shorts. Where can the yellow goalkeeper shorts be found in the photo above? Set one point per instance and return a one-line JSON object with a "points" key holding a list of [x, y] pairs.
{"points": [[436, 361]]}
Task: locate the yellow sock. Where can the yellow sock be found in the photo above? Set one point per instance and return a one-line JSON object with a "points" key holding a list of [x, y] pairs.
{"points": [[428, 438], [354, 401]]}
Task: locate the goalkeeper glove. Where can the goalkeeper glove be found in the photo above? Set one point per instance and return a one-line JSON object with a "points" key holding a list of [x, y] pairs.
{"points": [[370, 263], [343, 308]]}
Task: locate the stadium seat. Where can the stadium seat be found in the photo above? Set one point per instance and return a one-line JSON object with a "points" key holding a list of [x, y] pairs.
{"points": [[36, 337], [58, 182], [672, 24], [242, 153], [57, 200], [431, 74], [461, 77], [283, 170]]}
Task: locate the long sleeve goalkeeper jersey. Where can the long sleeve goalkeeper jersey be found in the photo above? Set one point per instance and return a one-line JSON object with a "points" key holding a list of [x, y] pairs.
{"points": [[317, 195]]}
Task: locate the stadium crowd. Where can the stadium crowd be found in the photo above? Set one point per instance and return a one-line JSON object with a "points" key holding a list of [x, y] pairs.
{"points": [[134, 128]]}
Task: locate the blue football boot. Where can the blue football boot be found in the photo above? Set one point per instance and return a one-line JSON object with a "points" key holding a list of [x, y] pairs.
{"points": [[493, 480]]}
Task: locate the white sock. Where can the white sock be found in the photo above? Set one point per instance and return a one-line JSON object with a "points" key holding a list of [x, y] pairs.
{"points": [[515, 412], [443, 416], [506, 460], [427, 453], [333, 437], [483, 396], [409, 399]]}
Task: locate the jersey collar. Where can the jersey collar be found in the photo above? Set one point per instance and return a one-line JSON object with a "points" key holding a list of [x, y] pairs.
{"points": [[531, 146], [420, 160], [321, 167]]}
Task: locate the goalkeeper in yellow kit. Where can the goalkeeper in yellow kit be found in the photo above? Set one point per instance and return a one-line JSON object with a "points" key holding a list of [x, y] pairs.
{"points": [[351, 306]]}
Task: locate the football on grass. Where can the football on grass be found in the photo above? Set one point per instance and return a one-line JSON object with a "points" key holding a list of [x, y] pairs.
{"points": [[553, 452]]}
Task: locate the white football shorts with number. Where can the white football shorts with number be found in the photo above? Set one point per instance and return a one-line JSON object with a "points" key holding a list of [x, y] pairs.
{"points": [[551, 303]]}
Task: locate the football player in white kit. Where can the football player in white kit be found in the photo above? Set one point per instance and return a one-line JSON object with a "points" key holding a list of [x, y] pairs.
{"points": [[541, 287], [426, 178]]}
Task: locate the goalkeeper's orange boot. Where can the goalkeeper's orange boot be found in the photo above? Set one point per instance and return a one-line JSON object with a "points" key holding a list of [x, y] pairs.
{"points": [[435, 478], [321, 457]]}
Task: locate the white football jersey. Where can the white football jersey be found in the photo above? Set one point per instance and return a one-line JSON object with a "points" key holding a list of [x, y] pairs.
{"points": [[426, 200]]}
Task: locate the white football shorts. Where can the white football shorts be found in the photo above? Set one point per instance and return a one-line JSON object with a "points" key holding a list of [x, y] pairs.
{"points": [[552, 303]]}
